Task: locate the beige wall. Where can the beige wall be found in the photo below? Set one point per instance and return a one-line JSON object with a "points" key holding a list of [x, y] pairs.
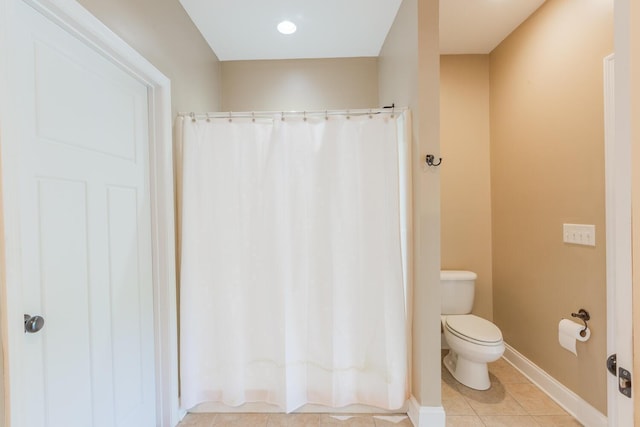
{"points": [[398, 61], [164, 34], [547, 169], [466, 172], [301, 84], [408, 69], [427, 191]]}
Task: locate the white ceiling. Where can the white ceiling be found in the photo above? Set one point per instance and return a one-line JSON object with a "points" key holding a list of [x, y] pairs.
{"points": [[246, 29]]}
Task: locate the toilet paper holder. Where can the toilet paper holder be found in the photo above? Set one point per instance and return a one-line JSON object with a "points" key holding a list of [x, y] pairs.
{"points": [[583, 315]]}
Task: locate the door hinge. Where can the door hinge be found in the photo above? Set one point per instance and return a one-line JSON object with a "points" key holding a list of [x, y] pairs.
{"points": [[624, 376]]}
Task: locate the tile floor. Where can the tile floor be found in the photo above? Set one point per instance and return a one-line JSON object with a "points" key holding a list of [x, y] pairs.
{"points": [[511, 401]]}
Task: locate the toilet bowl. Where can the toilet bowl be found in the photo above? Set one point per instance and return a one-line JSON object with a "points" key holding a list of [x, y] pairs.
{"points": [[473, 341]]}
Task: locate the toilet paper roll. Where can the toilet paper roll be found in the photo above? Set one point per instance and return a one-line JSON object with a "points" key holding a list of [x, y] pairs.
{"points": [[569, 333]]}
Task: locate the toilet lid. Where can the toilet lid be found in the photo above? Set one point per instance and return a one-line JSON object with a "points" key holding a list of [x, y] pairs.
{"points": [[473, 328]]}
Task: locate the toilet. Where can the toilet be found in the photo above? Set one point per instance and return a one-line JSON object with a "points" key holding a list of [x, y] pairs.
{"points": [[473, 341]]}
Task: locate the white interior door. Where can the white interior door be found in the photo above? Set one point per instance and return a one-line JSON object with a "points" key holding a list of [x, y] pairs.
{"points": [[85, 235]]}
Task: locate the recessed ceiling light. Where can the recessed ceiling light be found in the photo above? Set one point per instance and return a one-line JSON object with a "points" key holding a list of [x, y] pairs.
{"points": [[287, 27]]}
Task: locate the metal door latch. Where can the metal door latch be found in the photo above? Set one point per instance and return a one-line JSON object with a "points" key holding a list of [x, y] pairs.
{"points": [[624, 376], [624, 382]]}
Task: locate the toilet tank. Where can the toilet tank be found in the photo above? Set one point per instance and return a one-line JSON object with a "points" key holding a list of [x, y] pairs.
{"points": [[457, 291]]}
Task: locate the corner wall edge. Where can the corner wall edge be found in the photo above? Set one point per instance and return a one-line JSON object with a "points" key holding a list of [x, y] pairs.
{"points": [[425, 416]]}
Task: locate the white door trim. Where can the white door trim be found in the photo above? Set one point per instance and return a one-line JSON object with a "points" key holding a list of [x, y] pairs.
{"points": [[618, 241], [79, 22], [609, 134]]}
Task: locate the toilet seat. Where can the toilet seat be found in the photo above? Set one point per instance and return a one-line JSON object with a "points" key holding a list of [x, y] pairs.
{"points": [[473, 329]]}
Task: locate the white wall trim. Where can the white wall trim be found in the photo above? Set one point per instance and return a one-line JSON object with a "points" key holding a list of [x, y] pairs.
{"points": [[571, 402], [610, 210], [425, 416], [69, 15], [618, 250]]}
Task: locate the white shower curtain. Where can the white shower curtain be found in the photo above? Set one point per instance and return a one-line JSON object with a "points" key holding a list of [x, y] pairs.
{"points": [[293, 270]]}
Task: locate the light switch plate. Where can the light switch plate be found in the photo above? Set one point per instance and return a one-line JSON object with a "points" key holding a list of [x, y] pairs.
{"points": [[579, 234]]}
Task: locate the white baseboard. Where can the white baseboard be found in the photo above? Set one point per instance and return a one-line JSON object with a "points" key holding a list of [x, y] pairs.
{"points": [[425, 416], [571, 402]]}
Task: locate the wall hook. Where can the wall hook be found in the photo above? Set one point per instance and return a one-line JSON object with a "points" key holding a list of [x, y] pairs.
{"points": [[430, 160]]}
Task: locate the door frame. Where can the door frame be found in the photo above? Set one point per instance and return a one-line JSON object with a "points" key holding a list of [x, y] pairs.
{"points": [[618, 174], [618, 241], [626, 14], [79, 22]]}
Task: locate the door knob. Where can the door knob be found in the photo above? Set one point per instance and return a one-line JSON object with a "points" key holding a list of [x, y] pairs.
{"points": [[33, 324]]}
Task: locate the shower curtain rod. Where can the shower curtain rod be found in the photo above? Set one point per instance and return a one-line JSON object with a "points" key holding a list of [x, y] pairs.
{"points": [[270, 114]]}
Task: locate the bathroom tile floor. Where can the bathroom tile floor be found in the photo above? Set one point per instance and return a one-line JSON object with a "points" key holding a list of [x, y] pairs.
{"points": [[511, 401]]}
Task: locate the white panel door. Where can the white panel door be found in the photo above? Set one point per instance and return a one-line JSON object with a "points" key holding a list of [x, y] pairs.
{"points": [[85, 232]]}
